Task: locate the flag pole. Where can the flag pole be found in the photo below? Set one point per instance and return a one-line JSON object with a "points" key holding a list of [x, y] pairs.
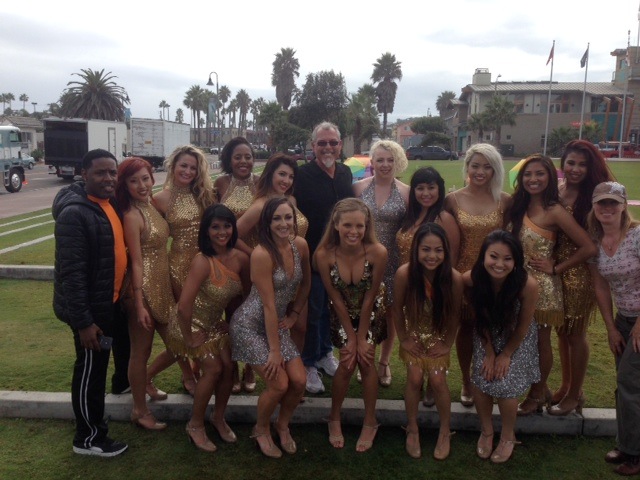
{"points": [[624, 97], [546, 128], [584, 89]]}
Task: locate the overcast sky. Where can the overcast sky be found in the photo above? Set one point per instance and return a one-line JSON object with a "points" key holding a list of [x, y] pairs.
{"points": [[158, 50]]}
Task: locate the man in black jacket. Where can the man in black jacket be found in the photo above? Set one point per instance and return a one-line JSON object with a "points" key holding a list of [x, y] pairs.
{"points": [[90, 262]]}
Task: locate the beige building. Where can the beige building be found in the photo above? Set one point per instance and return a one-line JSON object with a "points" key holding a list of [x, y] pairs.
{"points": [[31, 131], [603, 101]]}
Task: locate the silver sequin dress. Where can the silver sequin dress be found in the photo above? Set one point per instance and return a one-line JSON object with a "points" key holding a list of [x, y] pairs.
{"points": [[523, 371], [249, 342], [388, 220]]}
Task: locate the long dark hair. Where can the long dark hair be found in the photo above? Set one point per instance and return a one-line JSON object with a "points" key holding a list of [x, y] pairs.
{"points": [[423, 175], [264, 227], [265, 184], [521, 197], [212, 212], [126, 169], [597, 172], [416, 299], [497, 311]]}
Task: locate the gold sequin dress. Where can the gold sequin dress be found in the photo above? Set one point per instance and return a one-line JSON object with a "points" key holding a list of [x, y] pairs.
{"points": [[577, 288], [403, 240], [215, 293], [239, 195], [183, 217], [540, 243], [424, 334], [353, 295], [156, 286], [473, 231]]}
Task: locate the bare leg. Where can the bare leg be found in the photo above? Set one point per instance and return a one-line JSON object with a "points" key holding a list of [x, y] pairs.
{"points": [[438, 381], [538, 390], [464, 349], [275, 389], [223, 392], [508, 411], [370, 397], [386, 349], [211, 369], [415, 377], [291, 399], [579, 360], [141, 344], [565, 365], [339, 387], [484, 407]]}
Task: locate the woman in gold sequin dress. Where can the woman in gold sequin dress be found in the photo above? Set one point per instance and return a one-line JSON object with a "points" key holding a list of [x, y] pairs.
{"points": [[219, 274], [187, 192], [387, 198], [236, 190], [536, 218], [351, 263], [426, 311], [149, 299], [584, 167], [277, 179], [478, 208]]}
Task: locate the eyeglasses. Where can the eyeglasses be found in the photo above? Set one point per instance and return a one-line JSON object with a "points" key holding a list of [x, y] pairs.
{"points": [[324, 143]]}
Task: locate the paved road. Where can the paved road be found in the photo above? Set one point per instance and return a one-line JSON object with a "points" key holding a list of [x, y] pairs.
{"points": [[39, 192]]}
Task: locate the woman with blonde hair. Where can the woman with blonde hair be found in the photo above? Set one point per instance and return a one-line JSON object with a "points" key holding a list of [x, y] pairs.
{"points": [[387, 198], [479, 208], [186, 193], [351, 263]]}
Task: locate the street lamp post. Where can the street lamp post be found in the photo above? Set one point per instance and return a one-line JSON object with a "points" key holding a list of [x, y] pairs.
{"points": [[495, 91], [34, 106], [210, 84]]}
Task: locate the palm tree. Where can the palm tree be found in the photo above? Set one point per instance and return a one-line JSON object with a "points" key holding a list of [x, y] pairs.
{"points": [[97, 96], [271, 116], [179, 115], [24, 98], [362, 116], [385, 71], [286, 68], [163, 104], [232, 108], [244, 103], [478, 123], [256, 108], [8, 98], [443, 101], [499, 111], [224, 95]]}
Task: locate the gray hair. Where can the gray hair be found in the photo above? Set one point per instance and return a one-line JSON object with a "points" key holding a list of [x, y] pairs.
{"points": [[324, 126]]}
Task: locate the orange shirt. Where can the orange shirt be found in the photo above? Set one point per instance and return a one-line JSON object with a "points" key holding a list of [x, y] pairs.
{"points": [[120, 251]]}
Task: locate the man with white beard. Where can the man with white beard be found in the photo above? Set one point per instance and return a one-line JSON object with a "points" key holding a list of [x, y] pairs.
{"points": [[319, 185]]}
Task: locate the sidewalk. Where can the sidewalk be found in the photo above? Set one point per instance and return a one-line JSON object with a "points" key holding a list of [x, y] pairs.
{"points": [[595, 422]]}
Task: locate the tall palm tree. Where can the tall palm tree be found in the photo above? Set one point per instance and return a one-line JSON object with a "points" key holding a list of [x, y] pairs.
{"points": [[224, 95], [385, 71], [96, 95], [478, 123], [24, 98], [500, 111], [3, 99], [271, 116], [179, 115], [286, 68], [362, 116], [443, 101], [244, 103], [163, 104], [256, 108], [8, 98], [232, 108]]}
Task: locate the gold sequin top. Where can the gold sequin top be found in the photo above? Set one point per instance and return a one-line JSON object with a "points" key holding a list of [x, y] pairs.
{"points": [[156, 286], [183, 217], [403, 240], [577, 288], [239, 195], [222, 286], [540, 243], [473, 230]]}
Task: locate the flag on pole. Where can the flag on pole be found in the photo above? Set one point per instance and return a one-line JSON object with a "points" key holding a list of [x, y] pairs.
{"points": [[585, 58], [551, 54]]}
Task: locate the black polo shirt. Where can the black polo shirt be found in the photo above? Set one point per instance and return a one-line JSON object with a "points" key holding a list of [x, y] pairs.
{"points": [[316, 193]]}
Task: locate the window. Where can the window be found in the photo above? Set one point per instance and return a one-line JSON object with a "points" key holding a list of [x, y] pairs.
{"points": [[508, 137], [542, 140]]}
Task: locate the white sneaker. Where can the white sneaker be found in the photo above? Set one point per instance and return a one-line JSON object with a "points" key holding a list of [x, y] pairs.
{"points": [[314, 382], [328, 364]]}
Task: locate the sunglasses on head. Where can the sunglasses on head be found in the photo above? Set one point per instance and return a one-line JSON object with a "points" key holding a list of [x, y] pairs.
{"points": [[324, 143]]}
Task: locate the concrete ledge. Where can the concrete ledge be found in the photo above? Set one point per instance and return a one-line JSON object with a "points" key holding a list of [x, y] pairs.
{"points": [[27, 272], [242, 409]]}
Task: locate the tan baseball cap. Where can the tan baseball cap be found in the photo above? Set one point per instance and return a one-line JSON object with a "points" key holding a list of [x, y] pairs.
{"points": [[609, 190]]}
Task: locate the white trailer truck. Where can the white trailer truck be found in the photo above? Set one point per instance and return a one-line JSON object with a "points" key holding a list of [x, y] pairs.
{"points": [[154, 140], [67, 140], [10, 158]]}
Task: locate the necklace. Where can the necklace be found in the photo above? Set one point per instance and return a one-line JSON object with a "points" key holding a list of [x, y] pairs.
{"points": [[611, 245]]}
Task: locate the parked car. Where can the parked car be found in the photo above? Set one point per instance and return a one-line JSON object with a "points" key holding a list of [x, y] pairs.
{"points": [[431, 152], [27, 161]]}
